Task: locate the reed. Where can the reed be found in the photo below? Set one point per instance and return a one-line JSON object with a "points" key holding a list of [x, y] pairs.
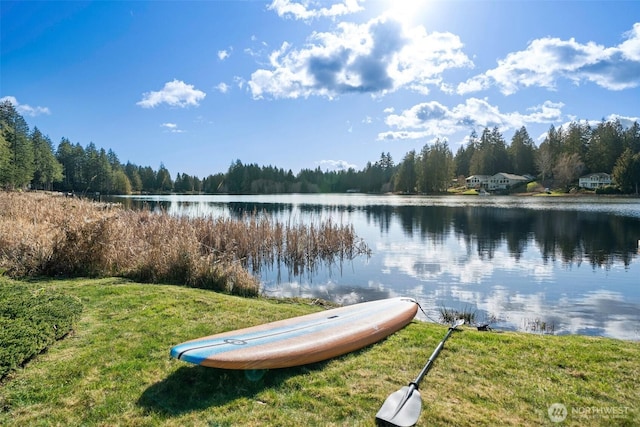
{"points": [[450, 315], [51, 235]]}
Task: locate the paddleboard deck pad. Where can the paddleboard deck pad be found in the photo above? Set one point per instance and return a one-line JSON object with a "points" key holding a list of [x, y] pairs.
{"points": [[300, 340]]}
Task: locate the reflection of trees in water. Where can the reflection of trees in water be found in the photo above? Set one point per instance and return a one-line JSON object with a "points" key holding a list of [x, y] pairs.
{"points": [[572, 237], [599, 238], [569, 236]]}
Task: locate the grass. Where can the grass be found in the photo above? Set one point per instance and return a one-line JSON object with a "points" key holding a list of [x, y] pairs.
{"points": [[114, 369], [42, 234]]}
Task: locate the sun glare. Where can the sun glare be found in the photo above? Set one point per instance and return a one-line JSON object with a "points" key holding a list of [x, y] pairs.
{"points": [[407, 11]]}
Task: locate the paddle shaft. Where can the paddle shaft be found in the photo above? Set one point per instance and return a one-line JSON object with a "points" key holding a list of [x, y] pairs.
{"points": [[435, 353], [402, 408]]}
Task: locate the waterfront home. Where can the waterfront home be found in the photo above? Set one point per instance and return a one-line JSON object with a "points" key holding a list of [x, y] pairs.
{"points": [[595, 180], [477, 181], [505, 181]]}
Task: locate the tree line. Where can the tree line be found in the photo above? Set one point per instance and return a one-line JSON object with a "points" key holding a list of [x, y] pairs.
{"points": [[563, 156], [28, 159]]}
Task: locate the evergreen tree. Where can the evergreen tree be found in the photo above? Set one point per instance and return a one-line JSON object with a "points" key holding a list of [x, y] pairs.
{"points": [[73, 160], [47, 169], [197, 184], [436, 168], [163, 179], [631, 138], [97, 170], [5, 156], [500, 153], [553, 140], [626, 173], [112, 157], [234, 177], [213, 184], [464, 155], [605, 146], [377, 177], [576, 139], [522, 153], [491, 155], [15, 132], [406, 177], [133, 175], [184, 183], [148, 178], [64, 155], [549, 152]]}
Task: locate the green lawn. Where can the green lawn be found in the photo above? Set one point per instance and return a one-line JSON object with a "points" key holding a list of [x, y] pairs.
{"points": [[115, 369]]}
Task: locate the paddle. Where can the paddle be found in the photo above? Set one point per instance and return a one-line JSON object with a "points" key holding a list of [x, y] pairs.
{"points": [[403, 407]]}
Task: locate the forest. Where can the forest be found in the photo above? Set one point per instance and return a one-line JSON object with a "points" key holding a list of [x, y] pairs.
{"points": [[29, 160]]}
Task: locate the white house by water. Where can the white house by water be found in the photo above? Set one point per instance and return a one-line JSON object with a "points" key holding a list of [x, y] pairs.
{"points": [[499, 181], [595, 180]]}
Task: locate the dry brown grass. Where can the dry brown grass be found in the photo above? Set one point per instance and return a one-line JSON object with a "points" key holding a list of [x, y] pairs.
{"points": [[44, 234]]}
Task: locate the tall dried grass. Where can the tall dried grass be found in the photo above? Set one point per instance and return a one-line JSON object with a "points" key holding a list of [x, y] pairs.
{"points": [[44, 234]]}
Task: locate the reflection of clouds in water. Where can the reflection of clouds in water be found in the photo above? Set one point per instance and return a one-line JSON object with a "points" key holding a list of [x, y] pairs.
{"points": [[601, 312], [608, 314], [329, 291], [453, 262]]}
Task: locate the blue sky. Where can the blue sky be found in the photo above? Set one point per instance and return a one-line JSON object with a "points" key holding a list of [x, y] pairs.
{"points": [[196, 85]]}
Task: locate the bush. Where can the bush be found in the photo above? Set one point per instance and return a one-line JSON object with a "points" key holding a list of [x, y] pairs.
{"points": [[608, 189], [30, 321], [535, 187]]}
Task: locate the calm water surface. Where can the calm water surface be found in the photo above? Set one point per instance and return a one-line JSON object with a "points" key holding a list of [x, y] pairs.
{"points": [[570, 263]]}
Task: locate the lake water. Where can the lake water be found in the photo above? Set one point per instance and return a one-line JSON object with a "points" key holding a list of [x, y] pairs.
{"points": [[540, 264]]}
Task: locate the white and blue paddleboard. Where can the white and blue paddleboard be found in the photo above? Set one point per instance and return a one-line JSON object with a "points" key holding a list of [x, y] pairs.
{"points": [[300, 340]]}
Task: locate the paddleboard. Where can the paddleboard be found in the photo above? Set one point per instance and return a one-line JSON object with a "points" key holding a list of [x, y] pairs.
{"points": [[300, 340]]}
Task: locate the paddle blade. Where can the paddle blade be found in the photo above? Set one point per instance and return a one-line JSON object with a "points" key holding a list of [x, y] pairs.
{"points": [[402, 408]]}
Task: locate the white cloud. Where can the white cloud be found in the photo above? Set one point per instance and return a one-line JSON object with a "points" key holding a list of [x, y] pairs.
{"points": [[434, 119], [175, 93], [548, 60], [239, 81], [223, 88], [335, 165], [630, 48], [223, 54], [625, 121], [305, 11], [474, 84], [24, 109], [258, 49], [172, 127], [378, 57]]}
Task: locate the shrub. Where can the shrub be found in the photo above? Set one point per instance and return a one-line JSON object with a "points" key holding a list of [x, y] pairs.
{"points": [[608, 189], [30, 321], [534, 186]]}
